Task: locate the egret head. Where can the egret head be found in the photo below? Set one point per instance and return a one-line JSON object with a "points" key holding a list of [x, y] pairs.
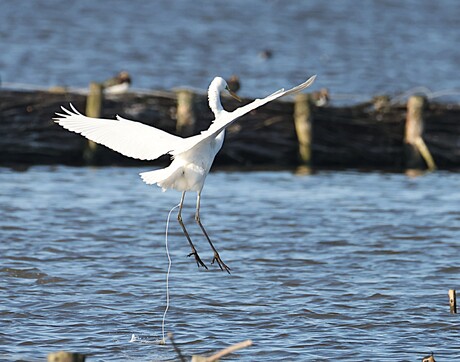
{"points": [[219, 84]]}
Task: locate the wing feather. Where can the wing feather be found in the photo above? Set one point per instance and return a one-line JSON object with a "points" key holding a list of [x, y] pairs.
{"points": [[225, 119], [220, 124], [130, 138]]}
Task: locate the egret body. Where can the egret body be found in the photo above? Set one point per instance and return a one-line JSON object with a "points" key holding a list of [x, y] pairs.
{"points": [[192, 157]]}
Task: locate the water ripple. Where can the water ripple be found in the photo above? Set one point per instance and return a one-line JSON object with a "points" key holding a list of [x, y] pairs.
{"points": [[343, 277]]}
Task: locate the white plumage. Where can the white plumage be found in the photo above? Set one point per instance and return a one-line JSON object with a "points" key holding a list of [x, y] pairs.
{"points": [[192, 156]]}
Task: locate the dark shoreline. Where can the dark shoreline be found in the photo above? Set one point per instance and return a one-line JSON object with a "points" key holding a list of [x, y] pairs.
{"points": [[366, 136]]}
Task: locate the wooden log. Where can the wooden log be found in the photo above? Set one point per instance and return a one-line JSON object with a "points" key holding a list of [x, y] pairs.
{"points": [[93, 109], [417, 153], [303, 126], [185, 115], [229, 350], [62, 356], [215, 357], [453, 301]]}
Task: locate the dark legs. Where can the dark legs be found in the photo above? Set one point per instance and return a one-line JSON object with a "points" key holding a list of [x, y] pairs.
{"points": [[216, 254], [194, 252], [198, 260]]}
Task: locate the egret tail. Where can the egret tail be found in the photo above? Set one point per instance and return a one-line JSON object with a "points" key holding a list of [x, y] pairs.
{"points": [[165, 177]]}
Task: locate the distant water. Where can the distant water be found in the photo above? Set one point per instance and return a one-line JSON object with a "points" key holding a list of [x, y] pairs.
{"points": [[358, 48], [335, 266]]}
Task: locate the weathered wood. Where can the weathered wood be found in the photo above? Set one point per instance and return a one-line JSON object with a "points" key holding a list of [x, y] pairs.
{"points": [[453, 301], [303, 125], [414, 121], [229, 350], [94, 100], [429, 358], [358, 136], [413, 131], [185, 115], [30, 137], [93, 109], [425, 152], [416, 150], [63, 356], [215, 357]]}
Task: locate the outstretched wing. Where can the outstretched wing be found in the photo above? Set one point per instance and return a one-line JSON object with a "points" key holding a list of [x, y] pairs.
{"points": [[132, 139], [220, 124], [225, 119]]}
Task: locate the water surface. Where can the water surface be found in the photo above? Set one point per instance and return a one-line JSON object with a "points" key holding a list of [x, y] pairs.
{"points": [[331, 266], [357, 48]]}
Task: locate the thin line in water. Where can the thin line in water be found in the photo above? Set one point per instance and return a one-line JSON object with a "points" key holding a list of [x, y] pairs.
{"points": [[167, 275]]}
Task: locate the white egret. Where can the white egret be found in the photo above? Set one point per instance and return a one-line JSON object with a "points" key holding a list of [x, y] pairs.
{"points": [[192, 157]]}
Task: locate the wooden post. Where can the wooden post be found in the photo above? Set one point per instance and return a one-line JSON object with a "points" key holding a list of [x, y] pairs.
{"points": [[62, 356], [416, 150], [453, 301], [185, 116], [303, 126], [93, 109], [94, 100], [429, 358]]}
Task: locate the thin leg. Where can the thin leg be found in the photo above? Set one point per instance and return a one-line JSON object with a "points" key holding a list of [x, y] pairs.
{"points": [[194, 252], [216, 254]]}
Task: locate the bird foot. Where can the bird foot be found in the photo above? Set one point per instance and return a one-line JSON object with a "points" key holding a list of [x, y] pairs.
{"points": [[198, 260], [219, 261]]}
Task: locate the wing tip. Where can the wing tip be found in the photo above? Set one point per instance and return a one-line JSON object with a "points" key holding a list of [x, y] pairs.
{"points": [[311, 80], [72, 112], [74, 109]]}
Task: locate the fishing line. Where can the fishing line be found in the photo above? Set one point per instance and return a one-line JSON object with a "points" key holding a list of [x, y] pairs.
{"points": [[163, 341]]}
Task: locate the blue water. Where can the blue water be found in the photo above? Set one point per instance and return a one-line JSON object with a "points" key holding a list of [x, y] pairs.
{"points": [[330, 266], [357, 48]]}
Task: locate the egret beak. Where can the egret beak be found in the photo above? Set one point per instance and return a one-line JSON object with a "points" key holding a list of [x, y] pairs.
{"points": [[233, 94]]}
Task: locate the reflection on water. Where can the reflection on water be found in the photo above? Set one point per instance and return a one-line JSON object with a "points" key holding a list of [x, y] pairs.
{"points": [[334, 265]]}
